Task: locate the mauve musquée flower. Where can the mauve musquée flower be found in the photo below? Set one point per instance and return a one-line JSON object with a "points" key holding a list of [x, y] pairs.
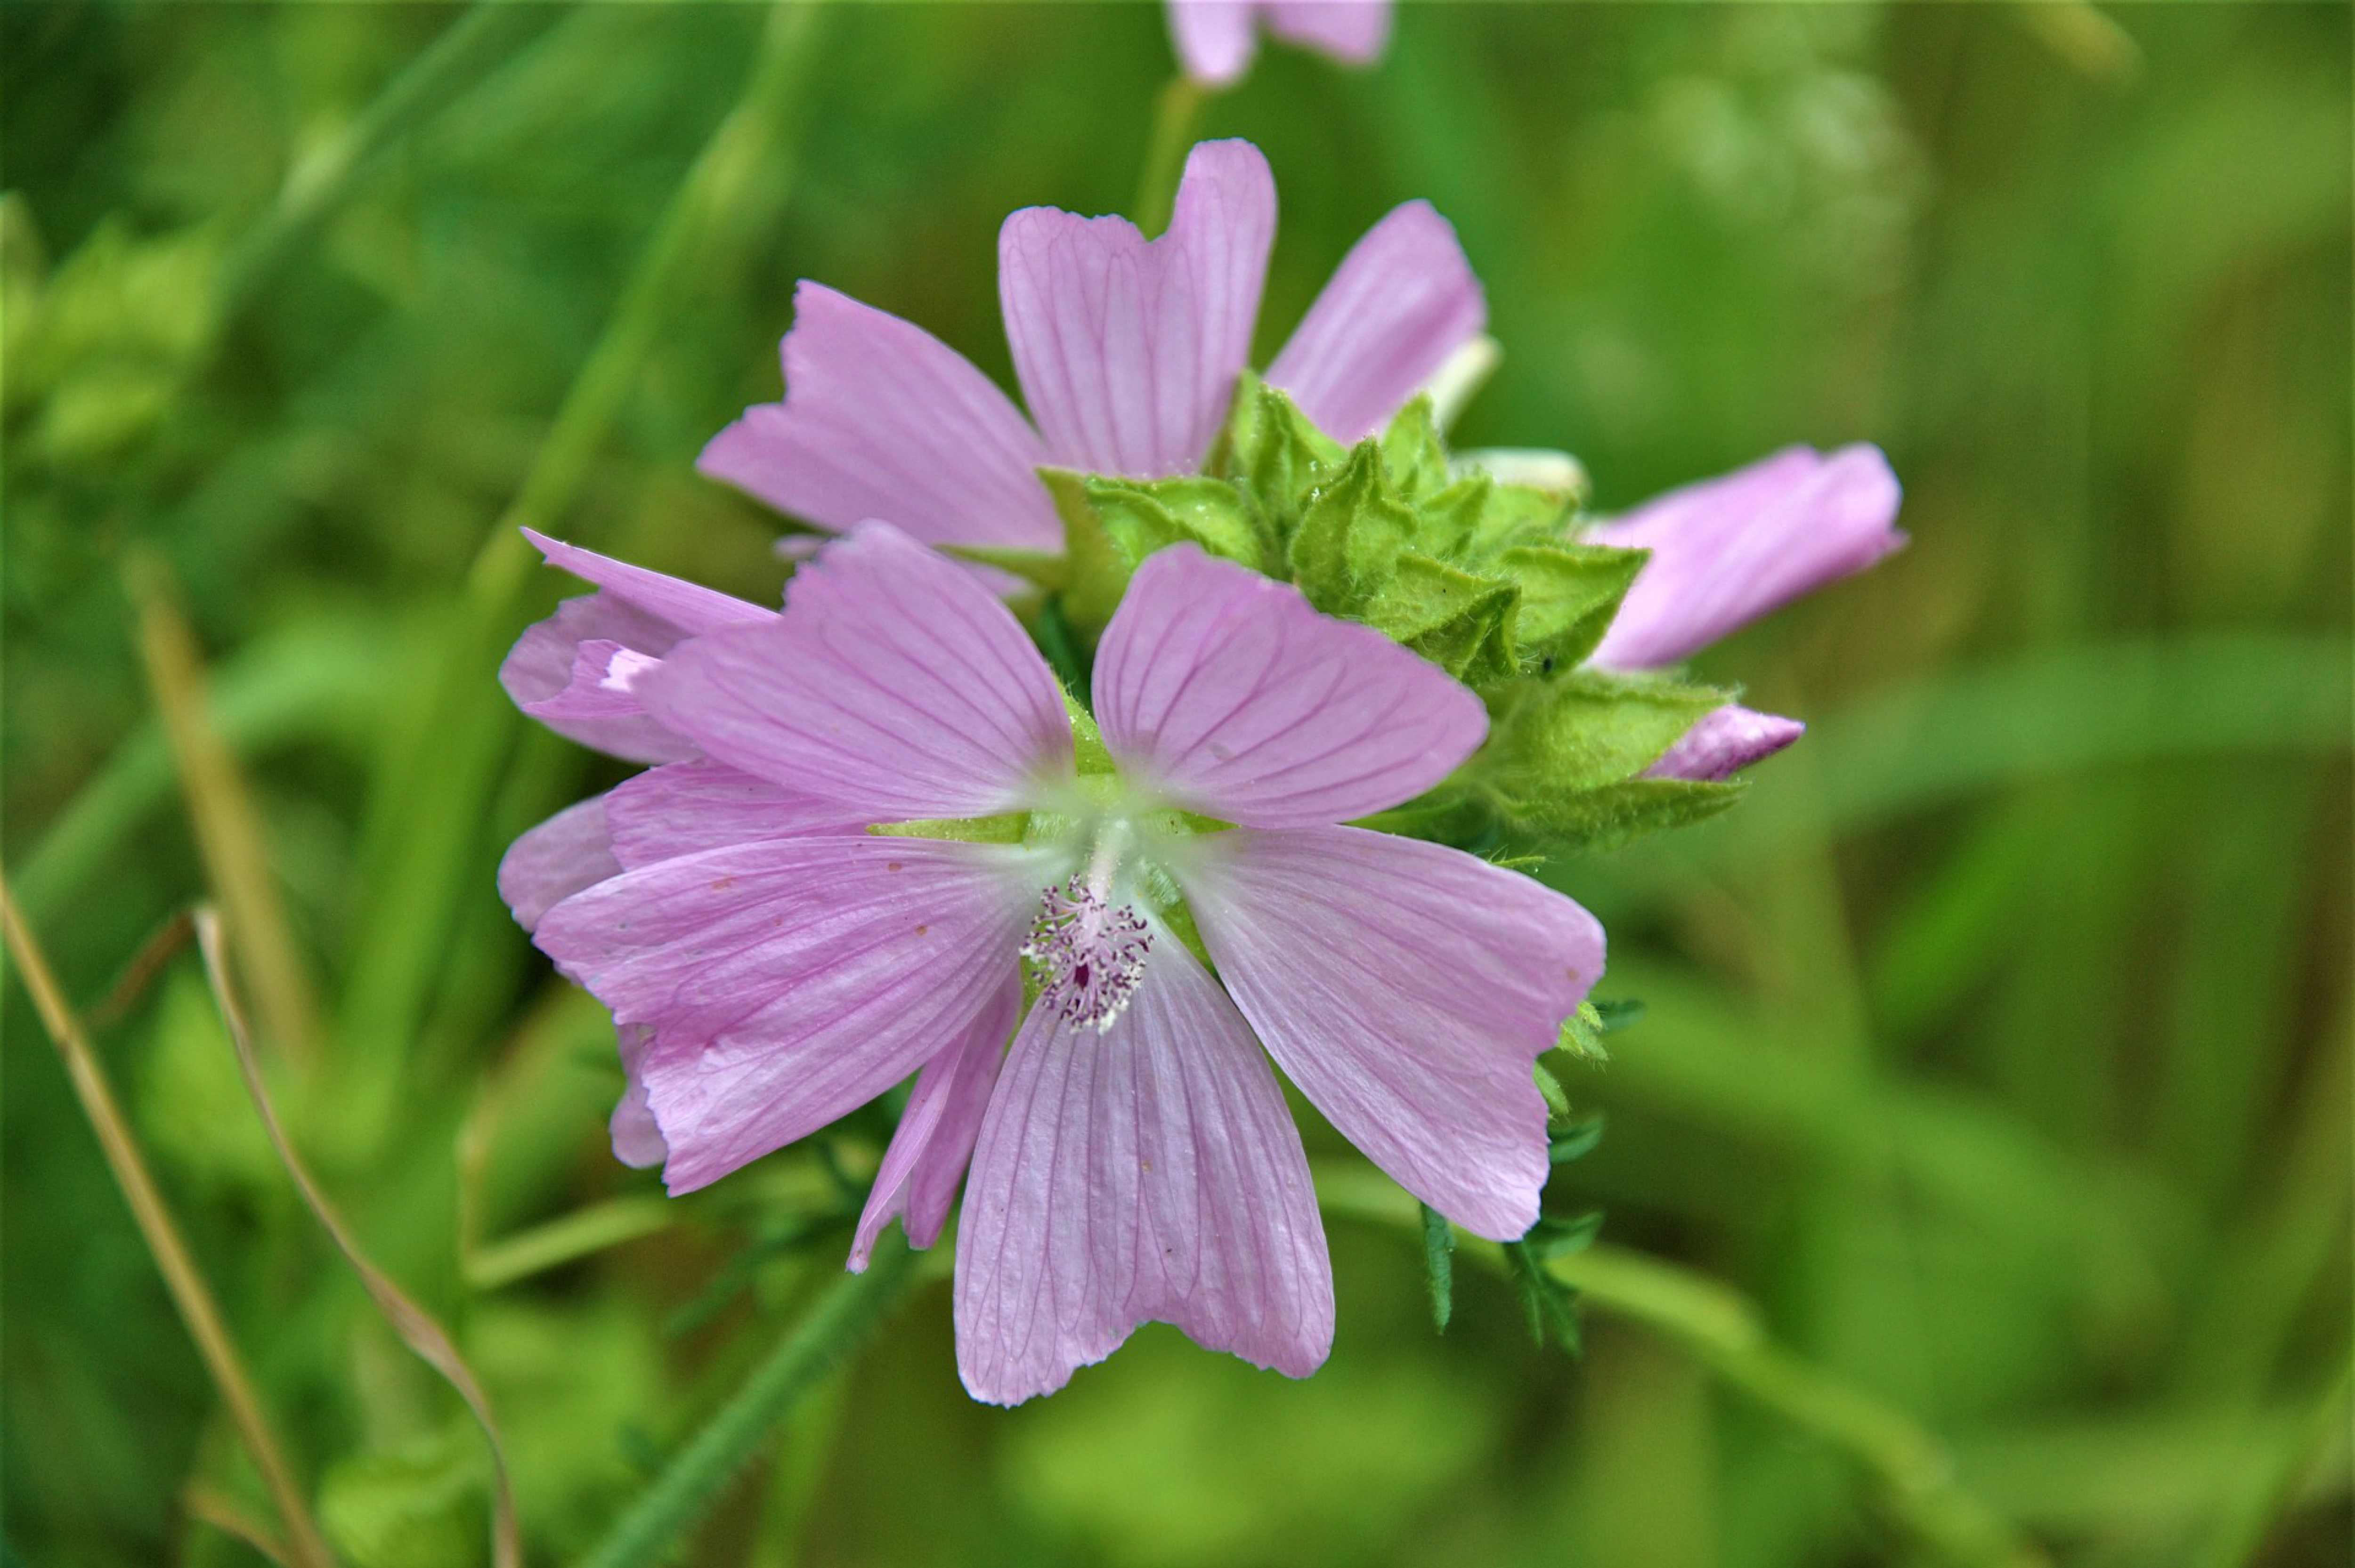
{"points": [[1728, 550], [1217, 38], [1132, 1158], [1128, 351]]}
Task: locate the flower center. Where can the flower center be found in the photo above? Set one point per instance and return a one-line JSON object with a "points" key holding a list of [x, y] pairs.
{"points": [[1089, 953]]}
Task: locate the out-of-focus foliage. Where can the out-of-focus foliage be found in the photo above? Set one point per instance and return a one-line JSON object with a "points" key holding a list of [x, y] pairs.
{"points": [[1998, 1046]]}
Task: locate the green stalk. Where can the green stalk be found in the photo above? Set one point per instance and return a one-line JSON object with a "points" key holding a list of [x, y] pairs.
{"points": [[687, 1488], [1175, 113], [466, 52], [428, 805], [190, 1293]]}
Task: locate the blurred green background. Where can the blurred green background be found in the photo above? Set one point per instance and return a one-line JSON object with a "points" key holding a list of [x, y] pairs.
{"points": [[1995, 1060]]}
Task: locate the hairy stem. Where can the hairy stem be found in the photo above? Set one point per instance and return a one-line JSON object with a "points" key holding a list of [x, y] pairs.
{"points": [[651, 1530]]}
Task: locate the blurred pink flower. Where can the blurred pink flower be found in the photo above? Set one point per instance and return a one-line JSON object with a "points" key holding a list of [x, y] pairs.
{"points": [[1132, 1158], [1728, 550], [1217, 38], [1127, 351]]}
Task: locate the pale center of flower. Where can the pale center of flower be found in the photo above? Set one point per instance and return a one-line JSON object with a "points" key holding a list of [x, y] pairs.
{"points": [[1087, 952]]}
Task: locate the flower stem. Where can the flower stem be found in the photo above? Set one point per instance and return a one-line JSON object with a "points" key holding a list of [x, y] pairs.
{"points": [[1174, 114], [679, 1497], [191, 1294]]}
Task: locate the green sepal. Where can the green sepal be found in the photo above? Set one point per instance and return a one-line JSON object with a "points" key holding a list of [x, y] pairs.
{"points": [[1094, 571], [1273, 451], [1346, 542], [1565, 755], [1009, 829], [1439, 1265], [1143, 515], [1413, 453], [1088, 752], [1568, 595], [1582, 1034], [1047, 572], [1594, 820], [1582, 1031], [1460, 622]]}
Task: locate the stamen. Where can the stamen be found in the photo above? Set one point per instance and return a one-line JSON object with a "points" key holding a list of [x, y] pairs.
{"points": [[1090, 953]]}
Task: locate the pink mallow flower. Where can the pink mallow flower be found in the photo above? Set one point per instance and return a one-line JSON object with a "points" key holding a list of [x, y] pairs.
{"points": [[1217, 38], [772, 965], [1728, 550], [1127, 349]]}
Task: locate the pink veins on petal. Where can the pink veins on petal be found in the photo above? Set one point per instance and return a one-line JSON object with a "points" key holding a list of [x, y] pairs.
{"points": [[774, 966], [1127, 350]]}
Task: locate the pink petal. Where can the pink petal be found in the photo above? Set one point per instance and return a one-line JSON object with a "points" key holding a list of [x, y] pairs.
{"points": [[645, 611], [883, 420], [1727, 550], [1403, 299], [789, 980], [1725, 741], [600, 689], [686, 808], [541, 668], [689, 608], [637, 1137], [893, 684], [1406, 987], [1149, 1172], [1215, 38], [926, 1163], [550, 862], [1352, 30], [1128, 348], [1226, 691]]}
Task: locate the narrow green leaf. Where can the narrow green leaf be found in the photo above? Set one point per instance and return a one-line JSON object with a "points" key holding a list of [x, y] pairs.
{"points": [[1546, 1302], [1576, 1140], [1557, 1102]]}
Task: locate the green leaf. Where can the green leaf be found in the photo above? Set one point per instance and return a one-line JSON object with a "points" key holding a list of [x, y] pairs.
{"points": [[1576, 1140], [1461, 622], [1546, 1302], [1551, 1238], [1347, 544], [1438, 1264], [1617, 1012], [1569, 594], [1557, 1102]]}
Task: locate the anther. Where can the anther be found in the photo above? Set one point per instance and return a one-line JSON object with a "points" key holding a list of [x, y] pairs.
{"points": [[1090, 955]]}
